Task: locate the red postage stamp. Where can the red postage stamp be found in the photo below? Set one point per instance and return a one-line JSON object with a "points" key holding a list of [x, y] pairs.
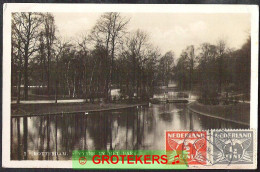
{"points": [[189, 146]]}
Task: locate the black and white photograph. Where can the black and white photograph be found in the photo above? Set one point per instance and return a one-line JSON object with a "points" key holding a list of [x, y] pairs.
{"points": [[118, 80]]}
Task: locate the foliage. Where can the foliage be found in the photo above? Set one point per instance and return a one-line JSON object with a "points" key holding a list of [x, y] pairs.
{"points": [[214, 69]]}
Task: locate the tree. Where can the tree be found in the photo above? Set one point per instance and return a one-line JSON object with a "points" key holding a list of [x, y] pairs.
{"points": [[83, 53], [243, 67], [137, 46], [59, 50], [49, 34], [26, 27], [191, 62], [108, 31], [16, 59], [181, 71], [221, 49], [151, 71], [207, 69], [166, 65]]}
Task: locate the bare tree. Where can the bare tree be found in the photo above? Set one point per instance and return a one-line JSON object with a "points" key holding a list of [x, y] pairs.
{"points": [[59, 49], [83, 51], [49, 33], [137, 46], [26, 26], [108, 31], [16, 57]]}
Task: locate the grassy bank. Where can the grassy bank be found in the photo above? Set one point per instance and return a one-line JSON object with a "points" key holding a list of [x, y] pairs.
{"points": [[239, 112], [38, 109]]}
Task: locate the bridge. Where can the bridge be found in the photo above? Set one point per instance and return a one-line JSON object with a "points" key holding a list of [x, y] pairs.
{"points": [[173, 97]]}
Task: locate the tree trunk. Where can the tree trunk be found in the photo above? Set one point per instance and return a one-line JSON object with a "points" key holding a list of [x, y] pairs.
{"points": [[74, 85], [111, 71], [86, 84], [220, 75], [191, 74], [56, 82], [20, 76], [48, 75], [134, 77], [26, 74], [26, 58], [19, 87], [108, 75]]}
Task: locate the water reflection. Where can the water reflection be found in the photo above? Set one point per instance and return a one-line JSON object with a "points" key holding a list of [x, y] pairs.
{"points": [[54, 137]]}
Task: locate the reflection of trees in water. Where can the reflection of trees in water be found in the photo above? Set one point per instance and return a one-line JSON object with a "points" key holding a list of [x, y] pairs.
{"points": [[12, 139], [19, 139], [186, 119], [16, 143], [48, 136], [166, 117], [149, 121], [142, 119], [56, 139], [19, 150], [97, 130], [122, 129], [25, 137], [42, 136], [191, 121], [126, 123], [65, 133], [126, 137]]}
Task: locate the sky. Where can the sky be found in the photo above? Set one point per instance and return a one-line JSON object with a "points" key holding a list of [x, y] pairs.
{"points": [[168, 31]]}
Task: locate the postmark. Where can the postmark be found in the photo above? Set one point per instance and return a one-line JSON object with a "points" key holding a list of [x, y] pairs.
{"points": [[208, 147], [200, 146]]}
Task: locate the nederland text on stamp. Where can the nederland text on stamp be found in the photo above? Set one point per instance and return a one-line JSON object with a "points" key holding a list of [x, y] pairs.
{"points": [[235, 147], [194, 145]]}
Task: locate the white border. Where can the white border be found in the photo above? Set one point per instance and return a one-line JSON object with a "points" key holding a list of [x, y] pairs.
{"points": [[162, 8]]}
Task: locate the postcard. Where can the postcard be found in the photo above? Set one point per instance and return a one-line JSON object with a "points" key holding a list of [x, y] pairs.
{"points": [[130, 86]]}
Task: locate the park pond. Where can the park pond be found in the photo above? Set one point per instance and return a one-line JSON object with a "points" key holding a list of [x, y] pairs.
{"points": [[141, 127]]}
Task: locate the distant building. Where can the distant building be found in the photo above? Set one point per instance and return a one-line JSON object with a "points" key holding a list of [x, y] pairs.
{"points": [[172, 84], [115, 94]]}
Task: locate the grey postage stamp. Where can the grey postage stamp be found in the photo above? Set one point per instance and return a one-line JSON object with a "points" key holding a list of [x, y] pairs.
{"points": [[233, 147]]}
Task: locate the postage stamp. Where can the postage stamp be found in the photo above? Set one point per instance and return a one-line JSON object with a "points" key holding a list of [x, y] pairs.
{"points": [[193, 143], [233, 147], [225, 148]]}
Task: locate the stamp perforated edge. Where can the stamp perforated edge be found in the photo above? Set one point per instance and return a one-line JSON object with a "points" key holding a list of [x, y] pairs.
{"points": [[207, 131]]}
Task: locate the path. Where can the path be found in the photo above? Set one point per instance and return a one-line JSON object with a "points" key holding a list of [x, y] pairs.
{"points": [[49, 101], [60, 109]]}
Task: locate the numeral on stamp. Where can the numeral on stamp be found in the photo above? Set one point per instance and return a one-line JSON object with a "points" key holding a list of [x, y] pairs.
{"points": [[190, 146]]}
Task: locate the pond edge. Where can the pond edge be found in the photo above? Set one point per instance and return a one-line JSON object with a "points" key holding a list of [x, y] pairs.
{"points": [[217, 117]]}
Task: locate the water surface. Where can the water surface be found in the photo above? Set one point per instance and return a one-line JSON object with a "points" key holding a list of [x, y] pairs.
{"points": [[134, 128]]}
